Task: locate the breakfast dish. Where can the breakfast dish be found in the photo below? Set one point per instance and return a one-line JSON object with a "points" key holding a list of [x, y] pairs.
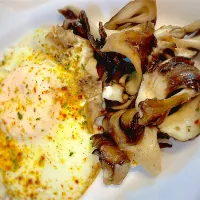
{"points": [[72, 103]]}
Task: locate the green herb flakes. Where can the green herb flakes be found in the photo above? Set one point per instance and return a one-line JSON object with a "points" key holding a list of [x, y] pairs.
{"points": [[67, 67], [20, 117], [82, 66], [198, 109], [71, 153], [64, 105], [84, 123]]}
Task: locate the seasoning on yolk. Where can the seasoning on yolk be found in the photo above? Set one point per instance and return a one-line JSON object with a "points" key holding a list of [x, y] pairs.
{"points": [[80, 96], [64, 88]]}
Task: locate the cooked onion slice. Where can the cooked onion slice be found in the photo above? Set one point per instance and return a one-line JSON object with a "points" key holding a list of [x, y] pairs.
{"points": [[115, 163], [135, 12], [184, 124]]}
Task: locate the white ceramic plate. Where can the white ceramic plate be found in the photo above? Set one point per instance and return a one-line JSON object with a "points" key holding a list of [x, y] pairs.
{"points": [[180, 177]]}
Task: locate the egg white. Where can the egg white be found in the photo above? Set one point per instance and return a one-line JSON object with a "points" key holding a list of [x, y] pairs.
{"points": [[45, 153]]}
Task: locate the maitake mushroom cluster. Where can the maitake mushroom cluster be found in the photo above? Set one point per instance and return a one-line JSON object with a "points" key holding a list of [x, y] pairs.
{"points": [[149, 87]]}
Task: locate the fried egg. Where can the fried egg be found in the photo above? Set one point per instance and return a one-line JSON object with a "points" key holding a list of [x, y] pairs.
{"points": [[45, 147]]}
